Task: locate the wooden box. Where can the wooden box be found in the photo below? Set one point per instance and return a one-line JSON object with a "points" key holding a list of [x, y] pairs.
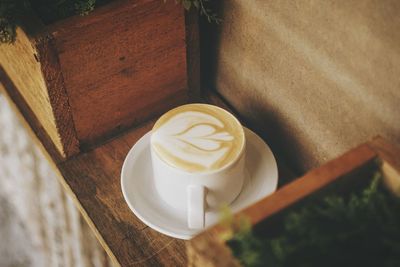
{"points": [[343, 174], [87, 78]]}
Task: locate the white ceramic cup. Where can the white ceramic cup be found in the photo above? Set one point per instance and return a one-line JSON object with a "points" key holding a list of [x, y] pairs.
{"points": [[194, 193]]}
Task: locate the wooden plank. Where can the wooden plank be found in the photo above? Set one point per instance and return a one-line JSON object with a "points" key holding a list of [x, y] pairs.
{"points": [[97, 75], [122, 64], [21, 68], [29, 119], [193, 54], [95, 179], [311, 182], [198, 249], [56, 91]]}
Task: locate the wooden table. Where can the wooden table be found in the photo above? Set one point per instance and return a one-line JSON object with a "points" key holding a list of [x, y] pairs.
{"points": [[92, 178]]}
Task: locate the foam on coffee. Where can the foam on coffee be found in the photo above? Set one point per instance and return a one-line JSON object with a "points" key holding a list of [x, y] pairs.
{"points": [[198, 138]]}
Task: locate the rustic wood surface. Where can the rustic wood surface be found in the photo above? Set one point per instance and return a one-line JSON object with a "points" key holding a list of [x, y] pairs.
{"points": [[122, 64], [193, 54], [87, 78], [94, 178], [47, 55], [40, 225], [28, 117], [93, 181], [21, 68]]}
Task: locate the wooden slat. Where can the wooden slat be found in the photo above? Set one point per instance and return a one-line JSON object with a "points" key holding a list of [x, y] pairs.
{"points": [[198, 249], [95, 179], [88, 78], [21, 67], [29, 119], [193, 54], [122, 64], [313, 181], [64, 127]]}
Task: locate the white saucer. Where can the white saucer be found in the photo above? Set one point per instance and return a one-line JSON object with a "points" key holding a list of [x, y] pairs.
{"points": [[140, 194]]}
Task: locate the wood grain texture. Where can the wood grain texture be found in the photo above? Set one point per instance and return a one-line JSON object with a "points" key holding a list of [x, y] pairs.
{"points": [[126, 240], [193, 54], [94, 178], [88, 78], [56, 90], [21, 67], [29, 118], [122, 64]]}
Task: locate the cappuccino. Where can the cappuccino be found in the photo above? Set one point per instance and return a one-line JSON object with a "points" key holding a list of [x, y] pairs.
{"points": [[198, 138]]}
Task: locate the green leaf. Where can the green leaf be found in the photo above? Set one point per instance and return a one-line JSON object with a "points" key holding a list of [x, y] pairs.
{"points": [[196, 4], [187, 4], [359, 229]]}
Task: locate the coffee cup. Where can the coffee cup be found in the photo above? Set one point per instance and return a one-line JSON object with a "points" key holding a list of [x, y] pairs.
{"points": [[198, 159]]}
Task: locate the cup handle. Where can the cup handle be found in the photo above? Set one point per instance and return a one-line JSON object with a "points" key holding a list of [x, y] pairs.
{"points": [[196, 207]]}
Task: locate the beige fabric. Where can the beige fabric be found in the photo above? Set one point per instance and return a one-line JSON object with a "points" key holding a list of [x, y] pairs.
{"points": [[39, 224], [323, 75]]}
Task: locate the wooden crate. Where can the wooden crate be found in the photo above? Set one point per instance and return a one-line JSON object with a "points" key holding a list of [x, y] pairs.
{"points": [[87, 78], [343, 174]]}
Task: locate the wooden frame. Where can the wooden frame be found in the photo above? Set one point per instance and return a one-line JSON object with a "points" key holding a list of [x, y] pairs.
{"points": [[127, 59], [344, 173]]}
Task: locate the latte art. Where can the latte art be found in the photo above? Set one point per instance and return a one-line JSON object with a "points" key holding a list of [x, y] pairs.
{"points": [[197, 138]]}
